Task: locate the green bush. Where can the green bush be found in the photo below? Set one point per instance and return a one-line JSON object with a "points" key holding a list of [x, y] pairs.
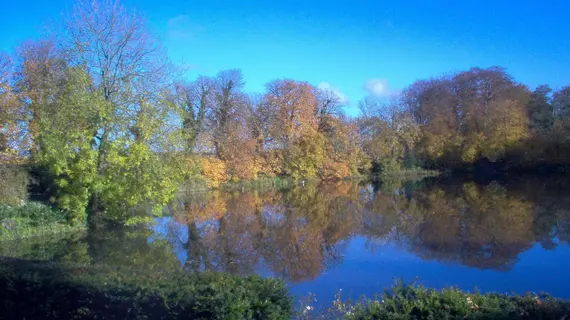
{"points": [[417, 302], [14, 186], [31, 219], [47, 291]]}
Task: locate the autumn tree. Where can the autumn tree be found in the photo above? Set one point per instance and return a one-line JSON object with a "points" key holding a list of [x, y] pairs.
{"points": [[433, 107], [229, 102], [294, 129], [561, 126], [194, 101], [13, 138], [388, 132], [39, 78], [541, 110], [329, 105], [469, 115], [121, 154]]}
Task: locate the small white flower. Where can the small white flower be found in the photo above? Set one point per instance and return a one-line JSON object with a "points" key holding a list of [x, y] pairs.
{"points": [[309, 308]]}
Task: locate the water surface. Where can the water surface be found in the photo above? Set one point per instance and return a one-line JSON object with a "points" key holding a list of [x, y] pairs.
{"points": [[509, 237]]}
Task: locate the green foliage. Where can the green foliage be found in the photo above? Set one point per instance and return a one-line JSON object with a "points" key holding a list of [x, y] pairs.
{"points": [[417, 302], [85, 159], [67, 138], [32, 219], [306, 156], [138, 176], [44, 291], [14, 187]]}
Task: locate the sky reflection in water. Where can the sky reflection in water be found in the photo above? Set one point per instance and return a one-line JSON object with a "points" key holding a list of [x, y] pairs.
{"points": [[509, 237]]}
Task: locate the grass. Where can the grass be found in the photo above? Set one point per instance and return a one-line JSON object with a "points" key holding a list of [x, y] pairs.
{"points": [[32, 219], [260, 184], [198, 184]]}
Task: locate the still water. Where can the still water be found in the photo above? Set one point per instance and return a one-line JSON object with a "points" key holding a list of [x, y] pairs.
{"points": [[503, 236]]}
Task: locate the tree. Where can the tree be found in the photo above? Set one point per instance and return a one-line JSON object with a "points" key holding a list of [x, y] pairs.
{"points": [[13, 140], [123, 154], [40, 76], [229, 102], [541, 110], [561, 126], [123, 60], [328, 105], [294, 129], [344, 156], [67, 150], [389, 133], [194, 101], [293, 104]]}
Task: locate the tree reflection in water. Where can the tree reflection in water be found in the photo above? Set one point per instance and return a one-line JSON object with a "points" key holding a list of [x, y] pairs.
{"points": [[301, 232]]}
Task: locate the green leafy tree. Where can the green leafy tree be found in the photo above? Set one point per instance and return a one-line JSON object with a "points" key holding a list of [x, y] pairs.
{"points": [[67, 150]]}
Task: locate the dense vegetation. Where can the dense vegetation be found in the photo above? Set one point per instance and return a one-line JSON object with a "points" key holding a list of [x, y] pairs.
{"points": [[113, 127], [45, 291], [417, 302], [32, 219]]}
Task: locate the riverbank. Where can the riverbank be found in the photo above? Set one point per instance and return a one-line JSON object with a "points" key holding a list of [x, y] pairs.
{"points": [[199, 184], [42, 290], [417, 302], [409, 174]]}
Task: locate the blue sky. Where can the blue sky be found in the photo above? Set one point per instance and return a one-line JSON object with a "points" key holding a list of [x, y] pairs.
{"points": [[356, 47]]}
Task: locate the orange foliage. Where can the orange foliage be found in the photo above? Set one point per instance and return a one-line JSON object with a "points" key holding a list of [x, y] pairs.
{"points": [[343, 154], [294, 105], [243, 162], [273, 163], [333, 170], [214, 170]]}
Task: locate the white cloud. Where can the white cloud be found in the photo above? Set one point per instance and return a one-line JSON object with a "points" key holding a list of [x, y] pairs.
{"points": [[181, 28], [174, 22], [327, 86], [379, 88]]}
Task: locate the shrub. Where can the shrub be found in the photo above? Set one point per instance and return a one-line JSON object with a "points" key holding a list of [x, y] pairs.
{"points": [[44, 291], [14, 186], [32, 219], [418, 302]]}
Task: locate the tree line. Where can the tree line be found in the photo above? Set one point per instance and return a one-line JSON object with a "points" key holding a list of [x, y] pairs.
{"points": [[113, 125], [458, 119]]}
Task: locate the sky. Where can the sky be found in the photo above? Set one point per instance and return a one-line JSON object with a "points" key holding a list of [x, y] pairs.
{"points": [[356, 48]]}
